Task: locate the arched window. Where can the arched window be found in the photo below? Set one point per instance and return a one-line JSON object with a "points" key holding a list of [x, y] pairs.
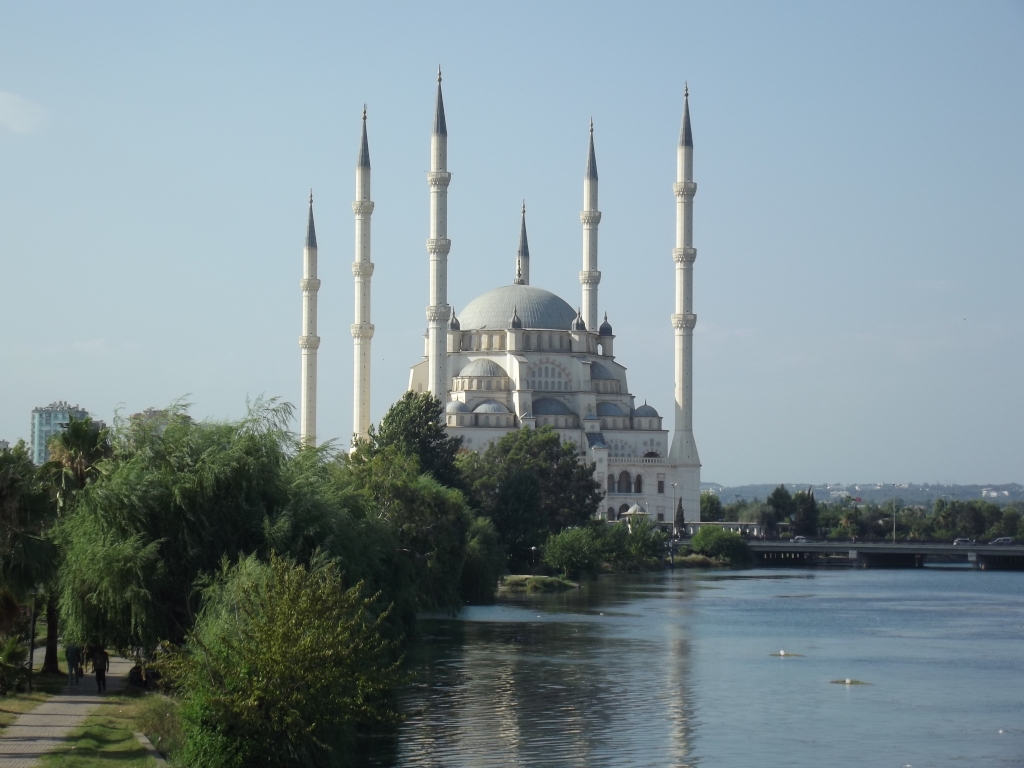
{"points": [[625, 482], [623, 510], [638, 484], [526, 341], [488, 383], [611, 483], [611, 513]]}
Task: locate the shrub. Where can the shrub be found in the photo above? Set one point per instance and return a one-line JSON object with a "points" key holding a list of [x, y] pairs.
{"points": [[723, 545], [574, 552], [282, 664], [484, 564]]}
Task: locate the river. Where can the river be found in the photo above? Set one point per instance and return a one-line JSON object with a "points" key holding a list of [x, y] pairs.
{"points": [[677, 669]]}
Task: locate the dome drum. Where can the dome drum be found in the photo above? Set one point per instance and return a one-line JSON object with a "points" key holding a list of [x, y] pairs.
{"points": [[481, 375]]}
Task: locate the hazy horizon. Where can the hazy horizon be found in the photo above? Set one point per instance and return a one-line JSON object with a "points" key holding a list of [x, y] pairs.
{"points": [[860, 179]]}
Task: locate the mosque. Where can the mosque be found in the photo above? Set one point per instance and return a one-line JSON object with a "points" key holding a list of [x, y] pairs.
{"points": [[520, 356]]}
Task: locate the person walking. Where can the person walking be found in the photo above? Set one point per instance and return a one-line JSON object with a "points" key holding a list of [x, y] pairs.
{"points": [[100, 665], [73, 656]]}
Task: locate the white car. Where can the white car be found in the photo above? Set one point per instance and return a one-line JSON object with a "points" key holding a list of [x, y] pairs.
{"points": [[800, 540]]}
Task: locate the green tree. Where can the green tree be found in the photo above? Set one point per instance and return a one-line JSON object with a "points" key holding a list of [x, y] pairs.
{"points": [[710, 506], [715, 542], [76, 456], [680, 515], [27, 556], [781, 502], [575, 552], [282, 665], [530, 485], [805, 513], [415, 425], [484, 564]]}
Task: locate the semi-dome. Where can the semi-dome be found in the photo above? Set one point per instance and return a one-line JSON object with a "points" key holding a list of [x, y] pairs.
{"points": [[536, 308], [646, 410], [490, 406], [548, 406], [482, 367], [609, 409], [456, 406], [598, 371]]}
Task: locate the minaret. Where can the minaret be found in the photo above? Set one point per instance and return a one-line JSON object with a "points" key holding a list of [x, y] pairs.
{"points": [[523, 255], [362, 269], [309, 342], [684, 449], [438, 246], [591, 217]]}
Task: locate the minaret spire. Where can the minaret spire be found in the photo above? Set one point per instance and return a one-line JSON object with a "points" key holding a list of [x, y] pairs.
{"points": [[309, 342], [590, 217], [362, 271], [684, 447], [438, 246], [523, 255]]}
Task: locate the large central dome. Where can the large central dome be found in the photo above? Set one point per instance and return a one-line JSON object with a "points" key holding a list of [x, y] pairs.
{"points": [[536, 307]]}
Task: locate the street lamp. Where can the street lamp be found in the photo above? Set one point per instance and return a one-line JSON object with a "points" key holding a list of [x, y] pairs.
{"points": [[674, 531]]}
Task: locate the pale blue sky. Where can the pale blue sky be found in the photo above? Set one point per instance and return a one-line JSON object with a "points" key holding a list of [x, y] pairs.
{"points": [[858, 220]]}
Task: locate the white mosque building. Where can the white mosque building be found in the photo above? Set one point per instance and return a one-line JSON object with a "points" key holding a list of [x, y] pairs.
{"points": [[520, 356]]}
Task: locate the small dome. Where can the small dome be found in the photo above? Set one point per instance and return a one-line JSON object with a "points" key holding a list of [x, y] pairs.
{"points": [[456, 406], [490, 406], [598, 371], [646, 410], [609, 409], [482, 367], [548, 406], [453, 324], [606, 327], [578, 324], [515, 322]]}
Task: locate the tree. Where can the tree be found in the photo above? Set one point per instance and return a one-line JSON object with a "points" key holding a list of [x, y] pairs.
{"points": [[680, 515], [710, 506], [284, 662], [415, 425], [575, 552], [76, 453], [530, 485], [805, 515], [781, 503], [712, 541], [27, 556]]}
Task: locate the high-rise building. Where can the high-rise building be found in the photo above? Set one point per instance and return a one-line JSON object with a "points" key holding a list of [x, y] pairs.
{"points": [[48, 421]]}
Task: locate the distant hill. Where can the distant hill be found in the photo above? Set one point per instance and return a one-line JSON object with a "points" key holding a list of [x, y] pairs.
{"points": [[907, 493]]}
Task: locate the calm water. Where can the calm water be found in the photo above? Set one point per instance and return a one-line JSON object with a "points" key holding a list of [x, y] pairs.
{"points": [[675, 669]]}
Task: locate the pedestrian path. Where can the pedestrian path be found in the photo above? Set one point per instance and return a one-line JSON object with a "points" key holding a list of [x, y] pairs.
{"points": [[42, 730]]}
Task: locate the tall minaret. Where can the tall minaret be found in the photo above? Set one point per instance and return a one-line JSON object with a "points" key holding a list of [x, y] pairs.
{"points": [[590, 217], [684, 449], [438, 246], [523, 254], [362, 269], [309, 342]]}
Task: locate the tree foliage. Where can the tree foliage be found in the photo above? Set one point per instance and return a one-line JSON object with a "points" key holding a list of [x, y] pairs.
{"points": [[716, 542], [284, 661], [530, 485], [710, 506], [805, 514]]}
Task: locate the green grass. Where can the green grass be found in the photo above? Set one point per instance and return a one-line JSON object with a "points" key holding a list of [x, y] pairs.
{"points": [[15, 704], [106, 738]]}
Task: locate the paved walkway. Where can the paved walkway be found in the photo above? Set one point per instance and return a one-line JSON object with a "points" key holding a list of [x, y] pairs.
{"points": [[42, 730]]}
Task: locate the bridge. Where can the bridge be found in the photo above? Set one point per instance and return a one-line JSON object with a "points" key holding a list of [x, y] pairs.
{"points": [[882, 555]]}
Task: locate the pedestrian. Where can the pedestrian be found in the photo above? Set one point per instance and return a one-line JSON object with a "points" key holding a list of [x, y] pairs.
{"points": [[73, 656], [100, 665]]}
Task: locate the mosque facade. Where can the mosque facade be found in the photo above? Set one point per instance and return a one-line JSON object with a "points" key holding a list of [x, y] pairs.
{"points": [[521, 357]]}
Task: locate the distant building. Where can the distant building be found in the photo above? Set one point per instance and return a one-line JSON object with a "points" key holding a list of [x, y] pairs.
{"points": [[4, 445], [48, 421]]}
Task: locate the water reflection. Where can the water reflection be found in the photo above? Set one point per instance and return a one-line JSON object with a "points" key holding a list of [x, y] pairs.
{"points": [[581, 679]]}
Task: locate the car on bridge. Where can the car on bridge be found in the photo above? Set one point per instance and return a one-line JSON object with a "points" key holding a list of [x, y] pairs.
{"points": [[962, 542], [800, 540], [1002, 540]]}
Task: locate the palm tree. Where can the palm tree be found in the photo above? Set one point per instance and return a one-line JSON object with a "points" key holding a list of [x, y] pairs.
{"points": [[76, 455]]}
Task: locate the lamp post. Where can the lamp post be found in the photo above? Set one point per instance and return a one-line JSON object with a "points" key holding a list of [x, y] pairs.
{"points": [[674, 531]]}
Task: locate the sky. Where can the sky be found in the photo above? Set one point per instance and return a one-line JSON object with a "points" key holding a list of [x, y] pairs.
{"points": [[858, 219]]}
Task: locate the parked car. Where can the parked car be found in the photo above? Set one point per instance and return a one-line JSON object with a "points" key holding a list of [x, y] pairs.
{"points": [[800, 540], [1004, 540], [962, 542]]}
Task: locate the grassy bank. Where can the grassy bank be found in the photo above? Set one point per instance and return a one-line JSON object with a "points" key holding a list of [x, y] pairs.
{"points": [[107, 737]]}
